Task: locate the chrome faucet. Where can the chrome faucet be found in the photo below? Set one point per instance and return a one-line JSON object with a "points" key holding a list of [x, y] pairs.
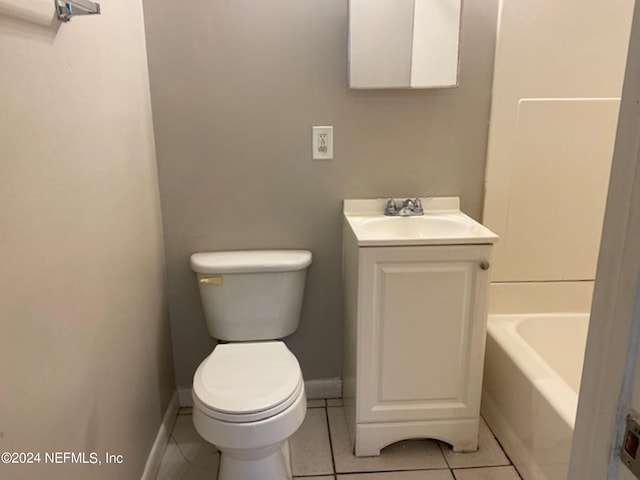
{"points": [[410, 208]]}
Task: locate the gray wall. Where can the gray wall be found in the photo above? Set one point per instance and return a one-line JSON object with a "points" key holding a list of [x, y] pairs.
{"points": [[85, 352], [236, 87]]}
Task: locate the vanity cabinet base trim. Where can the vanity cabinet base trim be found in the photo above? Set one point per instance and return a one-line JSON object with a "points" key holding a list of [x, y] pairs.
{"points": [[461, 434]]}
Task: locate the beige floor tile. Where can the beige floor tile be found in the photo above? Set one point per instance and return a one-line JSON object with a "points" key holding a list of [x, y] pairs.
{"points": [[173, 465], [310, 447], [334, 402], [489, 453], [487, 473], [185, 411], [322, 477], [406, 455], [203, 468], [315, 403], [410, 475], [191, 444]]}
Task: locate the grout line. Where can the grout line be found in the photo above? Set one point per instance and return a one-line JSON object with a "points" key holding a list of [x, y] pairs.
{"points": [[507, 282], [186, 472], [475, 467], [488, 466], [315, 475], [500, 445], [171, 437], [333, 458], [405, 470], [180, 450], [443, 455], [323, 400]]}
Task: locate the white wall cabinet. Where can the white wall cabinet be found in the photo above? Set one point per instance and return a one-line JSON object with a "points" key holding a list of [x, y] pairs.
{"points": [[415, 324], [404, 43]]}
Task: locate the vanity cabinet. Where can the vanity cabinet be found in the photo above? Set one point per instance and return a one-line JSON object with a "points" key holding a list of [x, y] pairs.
{"points": [[415, 326]]}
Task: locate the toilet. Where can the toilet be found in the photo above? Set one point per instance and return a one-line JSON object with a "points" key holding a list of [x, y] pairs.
{"points": [[248, 394]]}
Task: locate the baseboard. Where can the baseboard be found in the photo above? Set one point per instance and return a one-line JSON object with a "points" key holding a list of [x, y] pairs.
{"points": [[184, 397], [323, 388], [157, 450]]}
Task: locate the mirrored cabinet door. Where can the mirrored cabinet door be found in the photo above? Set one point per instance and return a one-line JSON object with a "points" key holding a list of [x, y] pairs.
{"points": [[404, 43]]}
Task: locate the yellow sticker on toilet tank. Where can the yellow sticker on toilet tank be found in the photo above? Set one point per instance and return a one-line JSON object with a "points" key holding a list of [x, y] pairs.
{"points": [[214, 280]]}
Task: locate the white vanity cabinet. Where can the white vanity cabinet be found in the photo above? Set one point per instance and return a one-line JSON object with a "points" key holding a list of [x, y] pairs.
{"points": [[415, 324]]}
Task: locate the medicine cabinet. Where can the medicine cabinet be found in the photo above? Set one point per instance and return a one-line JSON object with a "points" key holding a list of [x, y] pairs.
{"points": [[403, 43]]}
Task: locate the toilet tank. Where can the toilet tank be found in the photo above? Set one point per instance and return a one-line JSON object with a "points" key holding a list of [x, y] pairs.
{"points": [[251, 295]]}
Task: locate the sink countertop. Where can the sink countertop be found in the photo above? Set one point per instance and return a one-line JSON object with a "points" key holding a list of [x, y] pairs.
{"points": [[442, 224]]}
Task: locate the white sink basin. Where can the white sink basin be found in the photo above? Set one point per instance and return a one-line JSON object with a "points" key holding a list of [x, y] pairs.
{"points": [[442, 224], [425, 226]]}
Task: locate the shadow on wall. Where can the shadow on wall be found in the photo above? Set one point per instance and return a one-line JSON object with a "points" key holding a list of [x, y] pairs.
{"points": [[37, 18]]}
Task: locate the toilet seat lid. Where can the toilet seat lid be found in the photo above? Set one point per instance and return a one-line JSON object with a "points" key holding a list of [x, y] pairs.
{"points": [[247, 379]]}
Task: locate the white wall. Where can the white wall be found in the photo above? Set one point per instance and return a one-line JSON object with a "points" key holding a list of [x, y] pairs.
{"points": [[557, 82], [85, 362]]}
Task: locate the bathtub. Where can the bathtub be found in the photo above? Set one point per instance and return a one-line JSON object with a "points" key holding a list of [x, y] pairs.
{"points": [[533, 367]]}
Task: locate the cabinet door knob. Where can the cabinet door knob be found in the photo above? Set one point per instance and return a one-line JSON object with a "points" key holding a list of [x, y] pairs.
{"points": [[484, 265]]}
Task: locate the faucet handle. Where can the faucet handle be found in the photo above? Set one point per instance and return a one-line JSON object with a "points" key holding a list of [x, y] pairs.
{"points": [[390, 209], [417, 206], [409, 203]]}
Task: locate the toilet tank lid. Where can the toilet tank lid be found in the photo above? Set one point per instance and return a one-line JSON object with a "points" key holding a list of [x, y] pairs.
{"points": [[250, 261]]}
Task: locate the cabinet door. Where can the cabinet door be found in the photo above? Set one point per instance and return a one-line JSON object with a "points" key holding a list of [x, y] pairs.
{"points": [[421, 332], [404, 43]]}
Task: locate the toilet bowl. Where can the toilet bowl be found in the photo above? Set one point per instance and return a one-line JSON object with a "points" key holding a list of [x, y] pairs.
{"points": [[248, 399], [248, 395]]}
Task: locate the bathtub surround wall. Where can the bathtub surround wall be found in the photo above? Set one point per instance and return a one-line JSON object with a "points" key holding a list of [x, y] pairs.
{"points": [[85, 356], [236, 88], [553, 122]]}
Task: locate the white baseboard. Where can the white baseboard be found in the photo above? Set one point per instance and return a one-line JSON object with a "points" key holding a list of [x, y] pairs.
{"points": [[184, 396], [160, 444], [323, 388]]}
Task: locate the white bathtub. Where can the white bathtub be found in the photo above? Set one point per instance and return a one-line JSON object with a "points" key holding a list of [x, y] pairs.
{"points": [[532, 373]]}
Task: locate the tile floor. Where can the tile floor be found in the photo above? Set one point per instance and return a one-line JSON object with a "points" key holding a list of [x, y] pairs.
{"points": [[320, 450]]}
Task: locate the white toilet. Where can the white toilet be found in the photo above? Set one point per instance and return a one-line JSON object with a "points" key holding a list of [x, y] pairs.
{"points": [[248, 397]]}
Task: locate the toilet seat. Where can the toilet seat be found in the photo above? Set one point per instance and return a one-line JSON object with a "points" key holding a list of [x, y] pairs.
{"points": [[247, 382]]}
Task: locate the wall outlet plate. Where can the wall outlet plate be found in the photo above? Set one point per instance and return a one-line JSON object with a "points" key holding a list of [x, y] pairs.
{"points": [[629, 450], [322, 143]]}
